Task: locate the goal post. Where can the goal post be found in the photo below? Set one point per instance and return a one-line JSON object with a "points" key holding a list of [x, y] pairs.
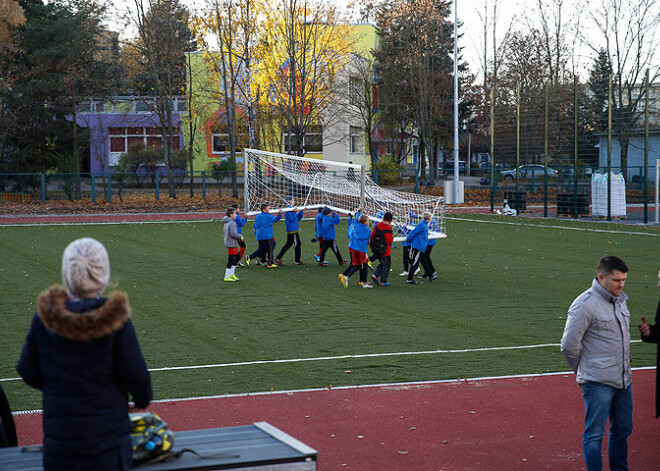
{"points": [[344, 188]]}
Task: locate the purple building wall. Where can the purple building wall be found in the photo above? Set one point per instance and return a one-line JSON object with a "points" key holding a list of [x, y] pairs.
{"points": [[99, 125]]}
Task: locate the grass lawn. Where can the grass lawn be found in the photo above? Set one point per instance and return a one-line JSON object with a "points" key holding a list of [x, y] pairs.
{"points": [[500, 285]]}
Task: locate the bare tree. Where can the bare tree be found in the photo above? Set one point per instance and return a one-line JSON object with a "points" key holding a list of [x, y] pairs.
{"points": [[629, 36], [163, 39]]}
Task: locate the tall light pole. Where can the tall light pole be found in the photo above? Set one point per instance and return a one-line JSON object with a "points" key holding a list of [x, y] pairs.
{"points": [[456, 166]]}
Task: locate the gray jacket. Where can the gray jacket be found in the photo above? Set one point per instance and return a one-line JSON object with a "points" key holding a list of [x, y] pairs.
{"points": [[231, 232], [596, 340]]}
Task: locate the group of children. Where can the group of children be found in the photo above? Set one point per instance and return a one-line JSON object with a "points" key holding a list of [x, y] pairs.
{"points": [[417, 246]]}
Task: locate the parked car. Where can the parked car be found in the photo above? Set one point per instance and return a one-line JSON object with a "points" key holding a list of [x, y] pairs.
{"points": [[529, 171], [485, 166], [448, 167]]}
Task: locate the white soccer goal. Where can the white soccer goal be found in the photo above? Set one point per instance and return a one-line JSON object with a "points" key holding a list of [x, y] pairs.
{"points": [[271, 178]]}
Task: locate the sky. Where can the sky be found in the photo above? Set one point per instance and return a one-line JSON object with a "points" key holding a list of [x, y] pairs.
{"points": [[518, 13]]}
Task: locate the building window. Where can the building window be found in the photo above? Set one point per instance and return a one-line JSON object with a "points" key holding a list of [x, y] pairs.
{"points": [[123, 138], [221, 143], [312, 140], [356, 142], [354, 91]]}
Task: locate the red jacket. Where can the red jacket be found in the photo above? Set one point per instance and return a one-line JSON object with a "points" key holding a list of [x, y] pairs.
{"points": [[389, 236]]}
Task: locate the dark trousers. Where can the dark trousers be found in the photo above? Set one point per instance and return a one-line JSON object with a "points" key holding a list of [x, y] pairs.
{"points": [[265, 249], [292, 239], [417, 257], [233, 260], [383, 269], [429, 262], [406, 257], [364, 271], [330, 244]]}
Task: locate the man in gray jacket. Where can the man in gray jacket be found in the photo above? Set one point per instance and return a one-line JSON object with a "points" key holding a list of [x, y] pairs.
{"points": [[596, 345]]}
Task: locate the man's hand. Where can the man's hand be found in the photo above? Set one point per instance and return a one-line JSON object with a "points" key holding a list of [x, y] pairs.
{"points": [[644, 328]]}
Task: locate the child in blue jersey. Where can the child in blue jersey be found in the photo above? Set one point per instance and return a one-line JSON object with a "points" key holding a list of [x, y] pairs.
{"points": [[318, 224], [418, 238], [240, 222], [291, 221], [359, 235], [432, 274], [328, 222], [263, 231]]}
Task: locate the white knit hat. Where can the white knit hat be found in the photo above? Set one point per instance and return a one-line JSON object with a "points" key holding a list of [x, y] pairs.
{"points": [[85, 268]]}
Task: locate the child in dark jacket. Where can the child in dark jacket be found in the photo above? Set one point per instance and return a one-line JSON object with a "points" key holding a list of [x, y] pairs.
{"points": [[384, 229], [83, 353], [359, 234]]}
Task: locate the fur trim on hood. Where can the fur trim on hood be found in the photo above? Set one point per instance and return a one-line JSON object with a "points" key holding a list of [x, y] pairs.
{"points": [[92, 325]]}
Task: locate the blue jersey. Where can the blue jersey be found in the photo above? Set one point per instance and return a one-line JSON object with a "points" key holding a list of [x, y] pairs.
{"points": [[291, 220], [359, 235], [419, 237], [240, 222], [328, 226], [263, 225], [318, 224]]}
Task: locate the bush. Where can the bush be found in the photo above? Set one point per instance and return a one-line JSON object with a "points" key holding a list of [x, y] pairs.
{"points": [[389, 173]]}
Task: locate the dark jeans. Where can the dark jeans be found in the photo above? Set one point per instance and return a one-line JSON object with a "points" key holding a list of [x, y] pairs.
{"points": [[292, 239], [330, 244], [265, 249], [383, 269]]}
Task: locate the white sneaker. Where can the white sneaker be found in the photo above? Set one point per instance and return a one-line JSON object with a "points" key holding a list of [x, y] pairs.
{"points": [[403, 273], [366, 285]]}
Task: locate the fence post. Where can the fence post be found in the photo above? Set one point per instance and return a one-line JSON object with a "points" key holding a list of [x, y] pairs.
{"points": [[417, 180], [609, 149], [545, 158], [204, 184], [493, 175], [43, 186], [646, 152], [93, 188], [376, 176], [110, 188], [157, 187], [575, 149]]}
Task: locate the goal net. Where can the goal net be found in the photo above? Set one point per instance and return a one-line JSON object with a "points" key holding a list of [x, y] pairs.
{"points": [[271, 178]]}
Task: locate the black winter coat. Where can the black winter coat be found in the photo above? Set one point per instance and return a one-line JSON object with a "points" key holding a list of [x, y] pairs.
{"points": [[654, 337], [85, 357], [7, 427]]}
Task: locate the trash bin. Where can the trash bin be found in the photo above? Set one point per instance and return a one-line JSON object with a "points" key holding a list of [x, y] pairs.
{"points": [[516, 199], [566, 204]]}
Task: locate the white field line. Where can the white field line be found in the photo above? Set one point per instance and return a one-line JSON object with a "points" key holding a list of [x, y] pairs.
{"points": [[404, 385], [192, 221], [567, 228], [344, 357]]}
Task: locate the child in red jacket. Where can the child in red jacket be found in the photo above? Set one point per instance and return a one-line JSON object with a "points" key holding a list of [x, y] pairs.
{"points": [[381, 245]]}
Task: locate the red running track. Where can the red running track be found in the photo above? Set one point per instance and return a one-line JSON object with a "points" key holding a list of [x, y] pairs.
{"points": [[526, 423]]}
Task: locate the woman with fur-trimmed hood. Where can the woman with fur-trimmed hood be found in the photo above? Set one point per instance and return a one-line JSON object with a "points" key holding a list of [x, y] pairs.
{"points": [[83, 353]]}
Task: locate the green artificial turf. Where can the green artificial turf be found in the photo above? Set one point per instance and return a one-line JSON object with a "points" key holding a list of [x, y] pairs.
{"points": [[500, 285]]}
